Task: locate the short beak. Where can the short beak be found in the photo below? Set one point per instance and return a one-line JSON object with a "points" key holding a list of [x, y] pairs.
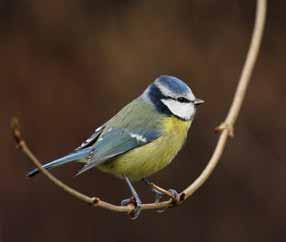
{"points": [[198, 101]]}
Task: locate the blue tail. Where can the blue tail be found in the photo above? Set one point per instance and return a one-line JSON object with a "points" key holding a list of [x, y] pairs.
{"points": [[63, 160]]}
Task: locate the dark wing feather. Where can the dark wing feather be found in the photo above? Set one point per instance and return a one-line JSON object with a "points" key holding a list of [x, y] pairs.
{"points": [[92, 139], [117, 141]]}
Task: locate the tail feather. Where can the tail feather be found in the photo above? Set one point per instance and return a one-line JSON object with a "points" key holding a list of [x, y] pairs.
{"points": [[63, 160]]}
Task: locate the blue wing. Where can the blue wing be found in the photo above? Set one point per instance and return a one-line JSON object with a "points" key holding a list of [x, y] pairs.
{"points": [[116, 141], [117, 136], [83, 151]]}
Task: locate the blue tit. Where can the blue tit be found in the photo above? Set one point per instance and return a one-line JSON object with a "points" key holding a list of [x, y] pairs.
{"points": [[142, 138]]}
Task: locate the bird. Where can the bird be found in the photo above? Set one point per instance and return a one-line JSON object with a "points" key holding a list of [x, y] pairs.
{"points": [[141, 139]]}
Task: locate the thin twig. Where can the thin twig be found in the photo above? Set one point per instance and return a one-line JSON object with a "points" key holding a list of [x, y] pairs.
{"points": [[226, 129]]}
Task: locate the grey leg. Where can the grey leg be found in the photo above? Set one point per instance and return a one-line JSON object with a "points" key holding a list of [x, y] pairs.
{"points": [[135, 199], [158, 194]]}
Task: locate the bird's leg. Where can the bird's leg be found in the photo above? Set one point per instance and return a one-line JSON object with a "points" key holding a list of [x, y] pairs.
{"points": [[135, 199], [160, 192]]}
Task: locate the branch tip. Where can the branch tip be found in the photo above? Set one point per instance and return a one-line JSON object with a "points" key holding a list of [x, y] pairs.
{"points": [[15, 127]]}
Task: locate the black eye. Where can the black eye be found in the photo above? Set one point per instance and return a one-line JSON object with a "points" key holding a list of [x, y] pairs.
{"points": [[183, 100]]}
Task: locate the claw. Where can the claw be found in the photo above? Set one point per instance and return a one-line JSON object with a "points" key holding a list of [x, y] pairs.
{"points": [[158, 197], [136, 212], [175, 195], [137, 207], [171, 193], [127, 201]]}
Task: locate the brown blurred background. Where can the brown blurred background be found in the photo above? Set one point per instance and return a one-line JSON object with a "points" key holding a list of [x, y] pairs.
{"points": [[67, 66]]}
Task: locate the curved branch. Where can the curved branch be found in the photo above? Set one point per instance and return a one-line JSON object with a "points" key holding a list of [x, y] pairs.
{"points": [[226, 129]]}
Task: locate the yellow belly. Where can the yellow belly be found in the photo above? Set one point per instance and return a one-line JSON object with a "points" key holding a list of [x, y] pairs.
{"points": [[148, 159]]}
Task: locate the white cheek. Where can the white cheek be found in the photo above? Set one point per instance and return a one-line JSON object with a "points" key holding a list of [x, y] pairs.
{"points": [[183, 110]]}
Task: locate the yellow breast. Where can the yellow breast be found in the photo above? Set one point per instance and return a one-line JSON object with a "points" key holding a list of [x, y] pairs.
{"points": [[148, 159]]}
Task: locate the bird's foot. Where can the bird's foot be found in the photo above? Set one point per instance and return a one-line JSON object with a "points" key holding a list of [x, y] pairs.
{"points": [[174, 195], [158, 195], [161, 192], [137, 206], [127, 201]]}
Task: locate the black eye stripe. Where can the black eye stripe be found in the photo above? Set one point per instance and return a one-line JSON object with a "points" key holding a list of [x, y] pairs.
{"points": [[179, 99], [183, 100]]}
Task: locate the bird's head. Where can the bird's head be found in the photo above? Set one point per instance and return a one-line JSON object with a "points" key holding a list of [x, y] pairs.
{"points": [[172, 96]]}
